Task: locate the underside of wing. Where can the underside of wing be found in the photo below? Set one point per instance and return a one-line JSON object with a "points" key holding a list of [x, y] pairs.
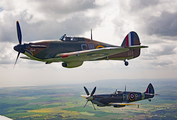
{"points": [[26, 58], [122, 104], [75, 59]]}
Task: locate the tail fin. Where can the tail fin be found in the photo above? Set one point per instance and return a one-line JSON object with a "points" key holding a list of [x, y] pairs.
{"points": [[131, 39], [150, 89]]}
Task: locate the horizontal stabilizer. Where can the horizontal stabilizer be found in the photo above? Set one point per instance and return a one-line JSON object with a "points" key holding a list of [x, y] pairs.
{"points": [[136, 46], [150, 94]]}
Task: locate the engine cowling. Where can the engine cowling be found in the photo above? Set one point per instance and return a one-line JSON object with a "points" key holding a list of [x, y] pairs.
{"points": [[72, 64]]}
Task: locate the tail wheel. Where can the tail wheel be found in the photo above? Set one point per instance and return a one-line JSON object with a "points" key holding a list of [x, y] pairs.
{"points": [[126, 63]]}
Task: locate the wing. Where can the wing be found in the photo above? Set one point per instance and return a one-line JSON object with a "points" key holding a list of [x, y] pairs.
{"points": [[85, 55], [123, 104], [89, 55]]}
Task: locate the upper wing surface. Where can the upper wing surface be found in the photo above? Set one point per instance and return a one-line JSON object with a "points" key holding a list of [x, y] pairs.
{"points": [[88, 55]]}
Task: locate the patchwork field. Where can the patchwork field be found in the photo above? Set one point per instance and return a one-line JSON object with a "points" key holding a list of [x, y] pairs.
{"points": [[65, 102]]}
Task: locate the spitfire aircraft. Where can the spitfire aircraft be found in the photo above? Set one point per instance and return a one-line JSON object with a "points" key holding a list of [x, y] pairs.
{"points": [[118, 98], [73, 51]]}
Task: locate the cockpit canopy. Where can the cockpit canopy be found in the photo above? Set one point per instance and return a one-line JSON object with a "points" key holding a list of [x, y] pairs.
{"points": [[118, 92], [65, 38]]}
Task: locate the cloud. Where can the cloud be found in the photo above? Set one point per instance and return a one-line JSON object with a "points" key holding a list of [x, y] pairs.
{"points": [[153, 20], [58, 17], [60, 8], [142, 4], [7, 53], [163, 50], [164, 25], [152, 17], [74, 26], [161, 64]]}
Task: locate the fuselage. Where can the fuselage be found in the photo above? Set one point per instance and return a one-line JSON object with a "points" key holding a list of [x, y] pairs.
{"points": [[55, 47], [46, 50], [119, 97]]}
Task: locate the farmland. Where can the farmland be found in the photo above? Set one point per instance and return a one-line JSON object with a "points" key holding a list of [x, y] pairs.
{"points": [[65, 102]]}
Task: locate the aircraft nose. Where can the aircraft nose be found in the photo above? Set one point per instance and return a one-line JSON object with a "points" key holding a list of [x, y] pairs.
{"points": [[19, 48]]}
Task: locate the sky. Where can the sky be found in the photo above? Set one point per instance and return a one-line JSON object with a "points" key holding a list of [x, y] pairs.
{"points": [[155, 21]]}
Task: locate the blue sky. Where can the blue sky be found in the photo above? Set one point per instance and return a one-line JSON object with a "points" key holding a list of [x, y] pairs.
{"points": [[1, 9], [155, 21]]}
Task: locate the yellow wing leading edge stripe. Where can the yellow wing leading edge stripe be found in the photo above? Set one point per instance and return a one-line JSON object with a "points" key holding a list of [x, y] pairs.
{"points": [[123, 104]]}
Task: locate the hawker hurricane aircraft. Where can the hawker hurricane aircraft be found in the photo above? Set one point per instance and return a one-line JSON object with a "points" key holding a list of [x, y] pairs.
{"points": [[119, 98], [73, 51]]}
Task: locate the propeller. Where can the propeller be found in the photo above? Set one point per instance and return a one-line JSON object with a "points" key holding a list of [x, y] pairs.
{"points": [[87, 92], [19, 34], [90, 96], [19, 48], [93, 91], [16, 59]]}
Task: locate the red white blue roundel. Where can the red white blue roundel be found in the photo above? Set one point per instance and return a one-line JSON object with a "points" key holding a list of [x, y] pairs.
{"points": [[132, 96]]}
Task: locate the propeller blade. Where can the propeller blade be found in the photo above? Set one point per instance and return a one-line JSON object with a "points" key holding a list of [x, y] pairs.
{"points": [[16, 59], [93, 106], [93, 91], [86, 103], [19, 33], [87, 92]]}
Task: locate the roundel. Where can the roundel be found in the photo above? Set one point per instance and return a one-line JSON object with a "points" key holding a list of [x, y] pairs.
{"points": [[132, 96], [99, 46]]}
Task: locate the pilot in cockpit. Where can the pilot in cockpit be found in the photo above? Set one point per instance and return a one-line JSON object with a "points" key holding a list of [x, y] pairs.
{"points": [[118, 92], [67, 38]]}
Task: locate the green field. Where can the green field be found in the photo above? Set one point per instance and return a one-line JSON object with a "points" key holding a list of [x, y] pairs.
{"points": [[65, 102]]}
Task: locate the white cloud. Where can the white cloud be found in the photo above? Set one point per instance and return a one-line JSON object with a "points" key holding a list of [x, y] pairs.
{"points": [[153, 20]]}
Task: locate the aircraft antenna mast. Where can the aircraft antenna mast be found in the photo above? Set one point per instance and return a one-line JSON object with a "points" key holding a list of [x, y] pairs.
{"points": [[91, 34]]}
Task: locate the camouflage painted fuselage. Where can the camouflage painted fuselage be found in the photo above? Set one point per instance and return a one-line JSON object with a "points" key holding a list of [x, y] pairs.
{"points": [[73, 51], [46, 50], [123, 97], [119, 98]]}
